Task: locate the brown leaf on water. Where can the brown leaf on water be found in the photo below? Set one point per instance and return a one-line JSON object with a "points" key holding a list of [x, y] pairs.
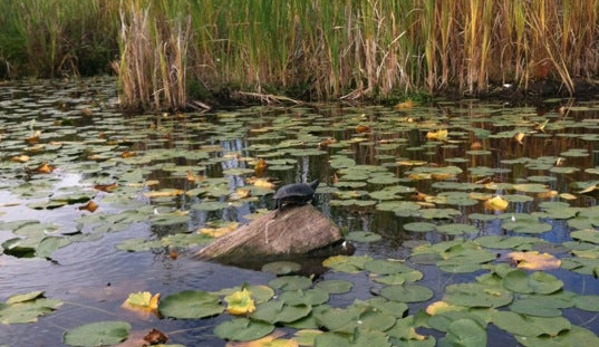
{"points": [[406, 104], [361, 128], [106, 187], [192, 177], [20, 158], [44, 168], [326, 142], [91, 206], [534, 260], [519, 137], [34, 138], [128, 154], [548, 194], [260, 168], [155, 337], [476, 145]]}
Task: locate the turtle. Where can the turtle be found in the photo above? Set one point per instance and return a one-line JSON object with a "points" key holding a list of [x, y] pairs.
{"points": [[295, 194]]}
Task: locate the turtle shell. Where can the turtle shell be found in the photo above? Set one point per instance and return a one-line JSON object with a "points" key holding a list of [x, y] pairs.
{"points": [[296, 193]]}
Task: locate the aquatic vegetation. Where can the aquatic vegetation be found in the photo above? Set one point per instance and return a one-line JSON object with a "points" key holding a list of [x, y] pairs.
{"points": [[453, 245]]}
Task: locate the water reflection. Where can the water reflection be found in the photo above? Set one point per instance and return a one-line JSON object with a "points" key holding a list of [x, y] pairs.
{"points": [[93, 278]]}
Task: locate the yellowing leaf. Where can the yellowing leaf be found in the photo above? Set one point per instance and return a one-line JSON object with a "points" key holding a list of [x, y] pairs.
{"points": [[519, 137], [588, 189], [35, 137], [534, 260], [547, 194], [406, 104], [496, 203], [264, 184], [20, 158], [240, 302], [271, 340], [163, 193], [91, 206], [260, 167], [106, 187], [440, 135], [239, 193], [142, 302], [44, 168], [220, 231], [567, 196]]}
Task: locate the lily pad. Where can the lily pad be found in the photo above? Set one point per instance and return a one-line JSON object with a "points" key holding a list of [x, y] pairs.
{"points": [[243, 329], [190, 304], [98, 334]]}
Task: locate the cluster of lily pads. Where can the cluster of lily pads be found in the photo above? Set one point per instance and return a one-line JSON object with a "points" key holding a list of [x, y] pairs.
{"points": [[470, 191]]}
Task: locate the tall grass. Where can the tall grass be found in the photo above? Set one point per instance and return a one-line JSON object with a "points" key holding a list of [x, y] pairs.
{"points": [[167, 53]]}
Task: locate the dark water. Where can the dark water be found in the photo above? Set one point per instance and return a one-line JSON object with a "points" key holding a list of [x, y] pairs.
{"points": [[93, 278]]}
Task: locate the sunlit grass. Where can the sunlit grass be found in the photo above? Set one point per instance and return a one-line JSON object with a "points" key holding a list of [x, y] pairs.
{"points": [[314, 49]]}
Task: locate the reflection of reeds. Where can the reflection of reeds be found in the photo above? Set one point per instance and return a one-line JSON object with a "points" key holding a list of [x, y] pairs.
{"points": [[174, 50]]}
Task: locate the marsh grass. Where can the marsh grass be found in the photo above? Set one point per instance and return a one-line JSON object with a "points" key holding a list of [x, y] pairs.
{"points": [[318, 49]]}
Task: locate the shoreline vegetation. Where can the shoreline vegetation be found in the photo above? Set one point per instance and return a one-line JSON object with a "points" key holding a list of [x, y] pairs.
{"points": [[176, 54]]}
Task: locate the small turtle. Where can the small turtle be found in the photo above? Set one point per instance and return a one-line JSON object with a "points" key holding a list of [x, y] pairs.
{"points": [[295, 194]]}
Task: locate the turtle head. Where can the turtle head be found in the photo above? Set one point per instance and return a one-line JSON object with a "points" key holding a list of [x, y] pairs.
{"points": [[314, 184]]}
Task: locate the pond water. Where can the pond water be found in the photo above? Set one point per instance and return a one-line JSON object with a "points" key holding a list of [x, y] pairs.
{"points": [[452, 187]]}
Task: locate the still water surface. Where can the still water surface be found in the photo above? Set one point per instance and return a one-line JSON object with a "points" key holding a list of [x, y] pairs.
{"points": [[85, 137]]}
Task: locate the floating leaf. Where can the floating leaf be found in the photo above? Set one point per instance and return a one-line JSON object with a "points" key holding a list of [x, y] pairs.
{"points": [[142, 301], [522, 325], [407, 293], [534, 260], [279, 312], [243, 329], [98, 334], [190, 304], [465, 332], [537, 282], [496, 204]]}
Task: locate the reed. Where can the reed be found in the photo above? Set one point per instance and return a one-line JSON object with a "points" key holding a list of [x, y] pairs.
{"points": [[168, 52]]}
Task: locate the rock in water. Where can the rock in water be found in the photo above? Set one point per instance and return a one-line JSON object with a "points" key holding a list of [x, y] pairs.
{"points": [[295, 232]]}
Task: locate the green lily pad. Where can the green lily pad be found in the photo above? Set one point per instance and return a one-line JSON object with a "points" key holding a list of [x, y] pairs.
{"points": [[98, 334], [537, 282], [361, 338], [335, 286], [243, 329], [419, 227], [280, 312], [344, 263], [522, 325], [26, 308], [190, 304], [386, 267], [576, 336], [465, 332], [407, 293], [457, 229], [477, 295], [291, 283], [309, 297]]}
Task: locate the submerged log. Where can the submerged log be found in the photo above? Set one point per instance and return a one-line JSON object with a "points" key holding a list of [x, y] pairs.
{"points": [[292, 232]]}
